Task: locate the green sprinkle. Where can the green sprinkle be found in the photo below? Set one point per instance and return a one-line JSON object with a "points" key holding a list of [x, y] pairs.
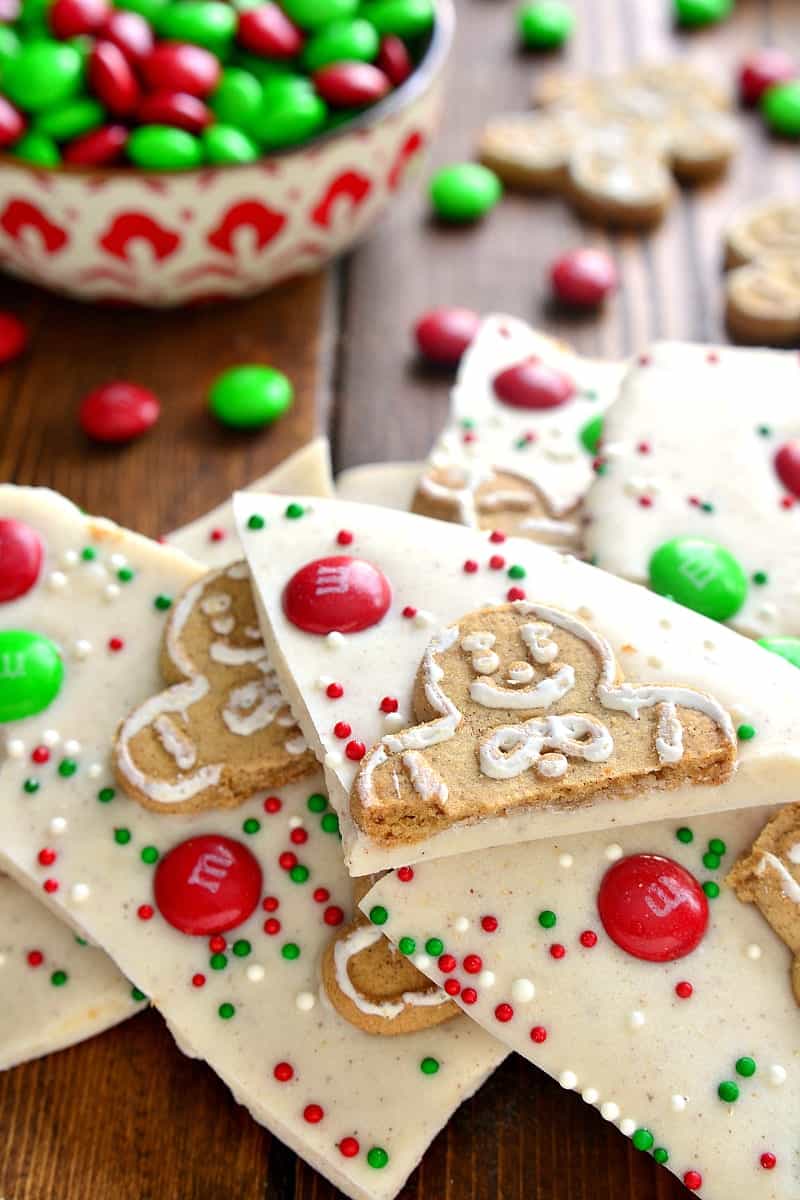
{"points": [[88, 553], [226, 1010], [746, 1067], [643, 1139], [746, 733], [317, 803], [377, 1157], [661, 1155], [706, 507], [242, 948], [162, 602], [521, 443], [600, 468], [59, 978], [106, 795], [685, 835], [67, 767], [137, 995], [330, 823], [218, 962], [728, 1091], [711, 860], [760, 577], [717, 846], [149, 855], [467, 423], [764, 431], [255, 522], [293, 511], [81, 941], [378, 915], [434, 946], [711, 889], [429, 1066], [122, 836], [547, 918], [251, 825], [406, 945], [516, 572], [30, 786], [125, 574], [299, 874], [290, 950]]}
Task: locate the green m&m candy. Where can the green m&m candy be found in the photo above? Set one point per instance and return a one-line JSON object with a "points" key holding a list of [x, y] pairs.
{"points": [[591, 433], [43, 74], [780, 105], [699, 574], [250, 396], [545, 24], [313, 14], [164, 148], [404, 18], [702, 12], [149, 9], [70, 120], [37, 148], [31, 674], [787, 647], [290, 112], [9, 44], [207, 23], [342, 41], [464, 192], [227, 144], [236, 98]]}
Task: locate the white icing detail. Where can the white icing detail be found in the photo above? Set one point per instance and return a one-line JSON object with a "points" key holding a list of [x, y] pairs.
{"points": [[426, 782], [252, 706], [223, 625], [421, 961], [793, 853], [83, 648], [511, 749], [236, 656], [539, 644], [361, 938], [72, 747], [295, 745], [522, 991], [252, 632], [443, 728], [669, 734], [789, 885], [215, 604], [238, 570], [519, 673], [51, 737], [177, 745], [485, 664], [544, 694]]}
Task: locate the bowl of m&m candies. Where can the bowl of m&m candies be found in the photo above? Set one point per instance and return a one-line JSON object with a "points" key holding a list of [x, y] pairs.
{"points": [[167, 152]]}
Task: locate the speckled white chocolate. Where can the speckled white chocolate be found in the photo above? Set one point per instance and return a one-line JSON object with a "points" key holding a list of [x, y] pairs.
{"points": [[46, 1018], [391, 485], [554, 459], [684, 433], [654, 640], [617, 1032], [369, 1088]]}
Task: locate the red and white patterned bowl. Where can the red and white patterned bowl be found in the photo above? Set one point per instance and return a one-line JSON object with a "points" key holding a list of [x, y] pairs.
{"points": [[170, 238]]}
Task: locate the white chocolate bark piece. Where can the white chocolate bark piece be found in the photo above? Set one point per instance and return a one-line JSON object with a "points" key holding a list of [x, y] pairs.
{"points": [[211, 539], [697, 1056], [58, 989], [266, 878], [435, 574], [693, 449], [390, 485]]}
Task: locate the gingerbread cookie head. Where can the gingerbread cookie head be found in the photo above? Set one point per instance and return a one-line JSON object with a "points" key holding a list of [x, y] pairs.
{"points": [[762, 291], [221, 730], [523, 706], [769, 877]]}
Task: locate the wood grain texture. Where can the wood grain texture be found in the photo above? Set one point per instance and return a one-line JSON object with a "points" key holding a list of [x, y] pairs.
{"points": [[126, 1117]]}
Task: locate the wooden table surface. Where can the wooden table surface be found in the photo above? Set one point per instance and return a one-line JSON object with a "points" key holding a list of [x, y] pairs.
{"points": [[125, 1116]]}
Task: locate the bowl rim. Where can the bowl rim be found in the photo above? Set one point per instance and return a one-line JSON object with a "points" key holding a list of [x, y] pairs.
{"points": [[416, 84]]}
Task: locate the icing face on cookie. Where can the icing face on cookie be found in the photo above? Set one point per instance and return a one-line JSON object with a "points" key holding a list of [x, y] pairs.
{"points": [[522, 705], [222, 730]]}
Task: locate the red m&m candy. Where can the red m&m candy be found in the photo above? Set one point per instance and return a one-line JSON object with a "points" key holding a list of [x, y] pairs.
{"points": [[532, 384], [584, 277], [13, 337], [118, 412], [72, 18], [351, 84], [101, 146], [267, 30], [652, 908], [12, 123], [112, 79], [178, 109], [21, 554], [207, 885], [443, 334], [787, 466], [181, 67], [763, 69], [336, 594], [394, 59], [130, 33]]}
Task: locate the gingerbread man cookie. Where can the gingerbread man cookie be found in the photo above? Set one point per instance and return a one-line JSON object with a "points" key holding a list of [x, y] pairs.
{"points": [[521, 705], [762, 288], [222, 730], [769, 877], [612, 145], [374, 985]]}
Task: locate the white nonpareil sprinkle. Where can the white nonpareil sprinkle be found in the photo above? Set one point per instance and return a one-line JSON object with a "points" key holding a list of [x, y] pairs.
{"points": [[15, 747], [565, 860], [777, 1074], [111, 591], [51, 737], [461, 924], [609, 1110], [334, 640], [421, 961], [305, 1001], [636, 1019], [255, 973], [628, 1126], [590, 1095], [678, 1104], [83, 648], [568, 1080], [332, 759], [56, 580], [523, 991], [95, 771], [80, 893], [72, 746], [58, 825], [753, 951], [486, 979], [613, 852]]}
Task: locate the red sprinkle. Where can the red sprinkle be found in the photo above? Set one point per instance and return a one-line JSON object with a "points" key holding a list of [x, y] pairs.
{"points": [[446, 963], [344, 537], [145, 912], [35, 958], [342, 730], [470, 566], [643, 448], [693, 1180], [489, 924], [273, 804], [46, 857], [272, 926], [588, 938], [270, 903], [388, 704], [405, 874], [497, 562], [115, 644], [333, 915], [768, 1161], [198, 980], [349, 1147], [469, 995], [497, 536], [409, 611], [287, 860], [313, 1113], [41, 754], [321, 895], [473, 964], [298, 836], [452, 987], [683, 989], [504, 1012], [515, 593], [355, 750], [557, 950], [283, 1072], [538, 1034], [334, 691], [50, 886], [217, 944], [217, 535]]}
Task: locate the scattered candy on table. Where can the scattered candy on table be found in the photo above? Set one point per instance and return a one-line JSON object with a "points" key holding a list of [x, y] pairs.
{"points": [[118, 412], [13, 337], [464, 192], [780, 106], [583, 277], [250, 396], [545, 24], [702, 12], [763, 69], [171, 85], [443, 334]]}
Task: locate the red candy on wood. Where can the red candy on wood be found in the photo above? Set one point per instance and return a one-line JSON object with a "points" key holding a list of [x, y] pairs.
{"points": [[21, 553], [13, 337], [351, 84], [532, 384], [180, 67], [652, 908], [98, 148], [12, 123], [72, 18], [267, 30], [443, 334], [339, 593], [207, 885], [787, 466], [583, 277], [130, 33], [112, 80], [761, 70], [394, 60], [178, 109], [118, 412]]}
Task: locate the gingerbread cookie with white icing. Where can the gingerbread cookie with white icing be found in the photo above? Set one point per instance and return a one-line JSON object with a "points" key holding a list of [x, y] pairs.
{"points": [[222, 729], [762, 287], [769, 877], [524, 706]]}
